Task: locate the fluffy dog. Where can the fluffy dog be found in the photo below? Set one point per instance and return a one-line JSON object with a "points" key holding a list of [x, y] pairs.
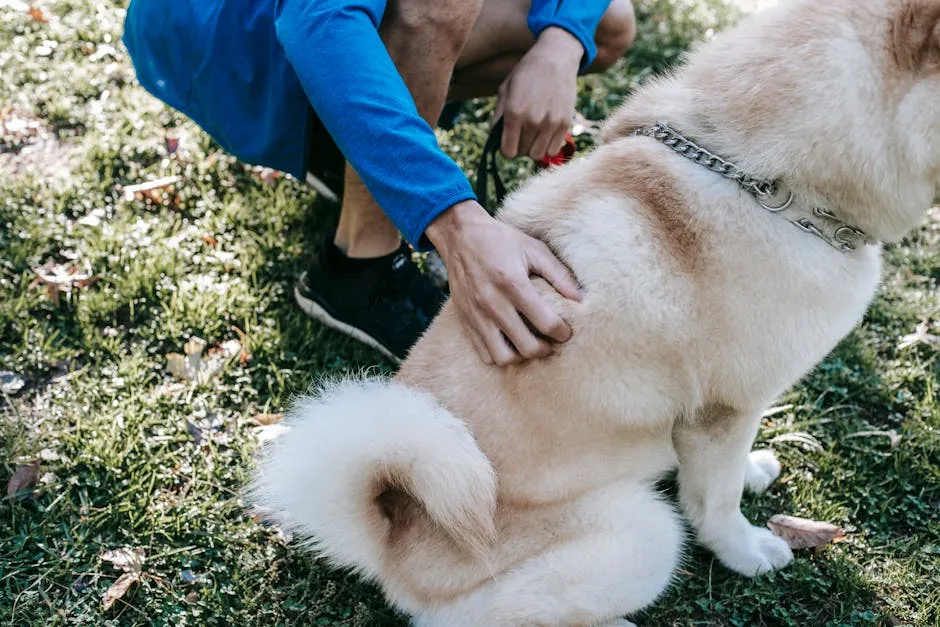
{"points": [[479, 496]]}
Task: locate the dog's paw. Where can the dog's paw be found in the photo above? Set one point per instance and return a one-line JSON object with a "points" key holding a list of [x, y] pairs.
{"points": [[762, 469], [620, 622], [754, 551]]}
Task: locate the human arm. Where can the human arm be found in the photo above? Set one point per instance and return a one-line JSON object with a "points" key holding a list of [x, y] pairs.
{"points": [[365, 105], [537, 99]]}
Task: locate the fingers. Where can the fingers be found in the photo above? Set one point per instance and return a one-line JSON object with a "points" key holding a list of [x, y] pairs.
{"points": [[537, 140], [502, 352], [479, 345], [547, 266], [507, 338], [545, 320], [558, 141], [541, 146], [512, 131], [525, 342]]}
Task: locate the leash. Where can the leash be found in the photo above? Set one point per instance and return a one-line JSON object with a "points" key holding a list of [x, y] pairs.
{"points": [[488, 166]]}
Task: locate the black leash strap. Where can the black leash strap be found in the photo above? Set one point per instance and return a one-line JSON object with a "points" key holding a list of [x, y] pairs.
{"points": [[488, 168]]}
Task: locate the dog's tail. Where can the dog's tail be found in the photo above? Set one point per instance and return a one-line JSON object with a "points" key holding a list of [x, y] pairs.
{"points": [[362, 460]]}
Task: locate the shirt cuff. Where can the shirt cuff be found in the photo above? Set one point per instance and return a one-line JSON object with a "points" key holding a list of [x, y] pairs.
{"points": [[417, 237], [538, 23]]}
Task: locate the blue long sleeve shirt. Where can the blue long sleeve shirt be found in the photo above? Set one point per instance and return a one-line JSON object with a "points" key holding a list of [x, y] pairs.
{"points": [[248, 72]]}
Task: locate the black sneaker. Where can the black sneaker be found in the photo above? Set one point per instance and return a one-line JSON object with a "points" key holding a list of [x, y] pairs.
{"points": [[386, 303]]}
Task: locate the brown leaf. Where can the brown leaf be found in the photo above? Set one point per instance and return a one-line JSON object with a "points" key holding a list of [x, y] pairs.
{"points": [[24, 478], [802, 533], [267, 419], [118, 589], [201, 365], [37, 15], [172, 144]]}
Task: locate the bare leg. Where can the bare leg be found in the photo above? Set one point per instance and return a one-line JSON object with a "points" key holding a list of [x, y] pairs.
{"points": [[501, 37], [474, 42], [713, 464], [424, 40]]}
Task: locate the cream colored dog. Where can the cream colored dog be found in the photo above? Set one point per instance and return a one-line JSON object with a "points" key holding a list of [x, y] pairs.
{"points": [[482, 497]]}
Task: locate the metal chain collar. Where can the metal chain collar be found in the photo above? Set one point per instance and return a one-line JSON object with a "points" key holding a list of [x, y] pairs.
{"points": [[821, 222]]}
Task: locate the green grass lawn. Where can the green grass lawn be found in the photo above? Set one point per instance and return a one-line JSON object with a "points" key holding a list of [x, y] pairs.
{"points": [[131, 457]]}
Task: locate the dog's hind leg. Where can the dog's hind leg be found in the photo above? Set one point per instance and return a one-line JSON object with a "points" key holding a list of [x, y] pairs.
{"points": [[627, 548], [713, 465]]}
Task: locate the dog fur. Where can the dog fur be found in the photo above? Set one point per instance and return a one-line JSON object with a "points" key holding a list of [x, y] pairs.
{"points": [[476, 495]]}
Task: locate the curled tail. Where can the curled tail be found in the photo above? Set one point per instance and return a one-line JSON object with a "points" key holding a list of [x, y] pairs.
{"points": [[362, 459]]}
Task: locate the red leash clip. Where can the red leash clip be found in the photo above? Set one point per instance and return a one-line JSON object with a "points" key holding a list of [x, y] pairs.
{"points": [[564, 156]]}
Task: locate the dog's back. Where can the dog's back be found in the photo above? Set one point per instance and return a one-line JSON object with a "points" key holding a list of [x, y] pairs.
{"points": [[699, 308]]}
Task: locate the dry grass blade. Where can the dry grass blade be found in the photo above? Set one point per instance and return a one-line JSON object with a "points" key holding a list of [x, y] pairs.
{"points": [[131, 191]]}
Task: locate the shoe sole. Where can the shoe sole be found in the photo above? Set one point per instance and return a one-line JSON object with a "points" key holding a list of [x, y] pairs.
{"points": [[316, 311]]}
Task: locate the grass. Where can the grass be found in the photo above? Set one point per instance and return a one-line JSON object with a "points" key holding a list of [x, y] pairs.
{"points": [[131, 457]]}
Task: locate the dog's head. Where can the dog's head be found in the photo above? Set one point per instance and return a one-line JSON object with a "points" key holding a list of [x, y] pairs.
{"points": [[841, 98]]}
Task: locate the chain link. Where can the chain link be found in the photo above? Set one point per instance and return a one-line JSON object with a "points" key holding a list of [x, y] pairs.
{"points": [[834, 231], [687, 148]]}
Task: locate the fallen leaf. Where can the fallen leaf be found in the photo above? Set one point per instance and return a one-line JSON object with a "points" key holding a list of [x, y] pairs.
{"points": [[58, 278], [10, 382], [37, 15], [126, 559], [199, 367], [210, 240], [172, 144], [921, 335], [267, 419], [118, 589], [24, 479], [802, 533]]}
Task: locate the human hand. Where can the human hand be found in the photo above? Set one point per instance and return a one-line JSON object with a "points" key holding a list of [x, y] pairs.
{"points": [[537, 99], [488, 265]]}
